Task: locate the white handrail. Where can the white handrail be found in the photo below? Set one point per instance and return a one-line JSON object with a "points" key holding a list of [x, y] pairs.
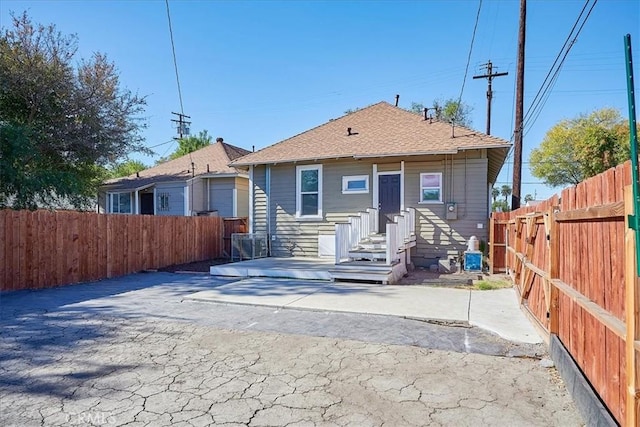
{"points": [[365, 231], [392, 254], [373, 218], [342, 241], [355, 224]]}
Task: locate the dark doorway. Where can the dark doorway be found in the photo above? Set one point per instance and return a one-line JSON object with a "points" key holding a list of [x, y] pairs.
{"points": [[146, 203], [388, 199]]}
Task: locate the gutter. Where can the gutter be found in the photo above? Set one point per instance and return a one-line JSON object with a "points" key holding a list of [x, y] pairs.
{"points": [[371, 156]]}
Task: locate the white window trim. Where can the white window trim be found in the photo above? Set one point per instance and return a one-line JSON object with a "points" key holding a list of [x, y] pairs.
{"points": [[430, 202], [376, 189], [345, 184], [299, 215], [117, 194]]}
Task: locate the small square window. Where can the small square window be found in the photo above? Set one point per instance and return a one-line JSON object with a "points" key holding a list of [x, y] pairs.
{"points": [[431, 187], [355, 184]]}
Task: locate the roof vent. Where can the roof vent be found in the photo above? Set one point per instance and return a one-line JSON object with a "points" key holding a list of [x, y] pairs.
{"points": [[219, 139]]}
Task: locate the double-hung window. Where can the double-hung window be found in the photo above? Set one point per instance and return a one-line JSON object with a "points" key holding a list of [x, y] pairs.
{"points": [[120, 203], [309, 191], [431, 187]]}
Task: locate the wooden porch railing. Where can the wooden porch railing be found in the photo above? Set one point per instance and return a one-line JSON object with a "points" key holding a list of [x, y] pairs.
{"points": [[393, 237], [360, 226]]}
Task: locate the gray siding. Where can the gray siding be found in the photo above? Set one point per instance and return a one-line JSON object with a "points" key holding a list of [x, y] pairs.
{"points": [[221, 196], [464, 184], [198, 190], [242, 200], [259, 199], [176, 198]]}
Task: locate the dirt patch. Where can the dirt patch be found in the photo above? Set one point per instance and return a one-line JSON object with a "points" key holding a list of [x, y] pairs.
{"points": [[464, 280], [196, 267]]}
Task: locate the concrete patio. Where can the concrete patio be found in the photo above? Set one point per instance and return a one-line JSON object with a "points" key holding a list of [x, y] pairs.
{"points": [[496, 311]]}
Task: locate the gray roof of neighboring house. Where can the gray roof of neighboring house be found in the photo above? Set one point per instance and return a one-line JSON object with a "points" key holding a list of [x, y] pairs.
{"points": [[208, 161]]}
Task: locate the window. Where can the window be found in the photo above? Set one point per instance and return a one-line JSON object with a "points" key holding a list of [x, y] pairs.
{"points": [[309, 191], [163, 202], [120, 203], [355, 184], [431, 188]]}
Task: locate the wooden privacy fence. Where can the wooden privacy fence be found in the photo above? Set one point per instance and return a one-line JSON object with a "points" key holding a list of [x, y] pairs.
{"points": [[42, 249], [572, 260]]}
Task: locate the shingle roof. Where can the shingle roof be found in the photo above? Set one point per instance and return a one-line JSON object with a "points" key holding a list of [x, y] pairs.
{"points": [[216, 156], [379, 130]]}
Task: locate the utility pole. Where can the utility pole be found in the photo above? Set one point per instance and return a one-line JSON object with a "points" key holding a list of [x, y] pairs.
{"points": [[489, 76], [182, 128], [517, 144]]}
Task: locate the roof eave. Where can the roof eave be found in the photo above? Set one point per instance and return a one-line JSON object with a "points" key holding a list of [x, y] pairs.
{"points": [[371, 156]]}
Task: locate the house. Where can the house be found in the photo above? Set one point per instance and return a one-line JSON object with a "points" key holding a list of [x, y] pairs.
{"points": [[377, 166], [198, 183]]}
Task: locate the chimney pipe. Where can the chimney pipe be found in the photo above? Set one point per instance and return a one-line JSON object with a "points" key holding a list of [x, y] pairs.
{"points": [[219, 139], [137, 174], [349, 131], [425, 112], [207, 167], [397, 99], [253, 148]]}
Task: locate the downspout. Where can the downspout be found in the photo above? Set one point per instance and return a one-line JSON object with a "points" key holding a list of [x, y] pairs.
{"points": [[401, 185], [267, 194], [251, 199]]}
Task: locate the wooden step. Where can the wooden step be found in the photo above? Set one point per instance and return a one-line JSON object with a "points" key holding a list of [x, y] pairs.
{"points": [[369, 254]]}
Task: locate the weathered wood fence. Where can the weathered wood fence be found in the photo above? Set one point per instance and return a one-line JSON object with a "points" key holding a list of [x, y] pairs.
{"points": [[572, 260], [42, 249]]}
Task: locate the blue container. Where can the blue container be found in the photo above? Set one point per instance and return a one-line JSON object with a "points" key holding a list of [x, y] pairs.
{"points": [[473, 261]]}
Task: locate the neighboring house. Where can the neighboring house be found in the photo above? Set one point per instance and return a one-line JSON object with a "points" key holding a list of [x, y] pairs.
{"points": [[198, 183], [379, 157]]}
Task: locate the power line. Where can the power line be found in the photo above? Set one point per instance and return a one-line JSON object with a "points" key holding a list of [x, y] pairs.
{"points": [[545, 89], [175, 62], [466, 70]]}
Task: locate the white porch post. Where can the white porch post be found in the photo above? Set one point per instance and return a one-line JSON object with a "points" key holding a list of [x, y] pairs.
{"points": [[251, 199], [235, 202], [186, 200], [137, 204], [155, 202], [375, 186], [401, 185]]}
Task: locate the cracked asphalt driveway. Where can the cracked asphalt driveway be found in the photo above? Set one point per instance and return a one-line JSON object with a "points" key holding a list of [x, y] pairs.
{"points": [[132, 351]]}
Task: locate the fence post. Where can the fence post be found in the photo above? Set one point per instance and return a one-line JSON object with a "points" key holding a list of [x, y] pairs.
{"points": [[554, 271], [632, 305], [492, 231]]}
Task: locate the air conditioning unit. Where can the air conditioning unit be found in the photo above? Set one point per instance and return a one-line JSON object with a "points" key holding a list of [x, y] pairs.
{"points": [[248, 246]]}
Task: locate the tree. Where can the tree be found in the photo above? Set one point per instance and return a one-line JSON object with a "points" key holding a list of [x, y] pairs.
{"points": [[528, 198], [126, 168], [61, 121], [505, 191], [449, 110], [495, 192], [576, 149], [500, 206], [188, 145]]}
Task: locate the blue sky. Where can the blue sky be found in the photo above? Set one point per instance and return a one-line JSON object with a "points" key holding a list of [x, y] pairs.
{"points": [[257, 72]]}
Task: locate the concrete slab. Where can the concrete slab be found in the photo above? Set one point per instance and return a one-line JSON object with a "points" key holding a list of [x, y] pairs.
{"points": [[418, 302], [261, 291], [412, 302], [498, 311]]}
